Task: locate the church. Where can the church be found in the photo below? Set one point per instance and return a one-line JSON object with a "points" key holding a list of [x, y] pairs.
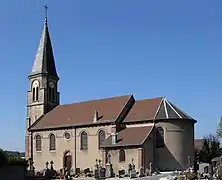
{"points": [[122, 128]]}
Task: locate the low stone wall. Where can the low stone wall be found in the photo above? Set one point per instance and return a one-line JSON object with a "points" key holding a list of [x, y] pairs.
{"points": [[12, 173]]}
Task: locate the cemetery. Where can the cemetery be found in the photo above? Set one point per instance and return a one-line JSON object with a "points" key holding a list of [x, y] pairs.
{"points": [[101, 172], [22, 169], [12, 167]]}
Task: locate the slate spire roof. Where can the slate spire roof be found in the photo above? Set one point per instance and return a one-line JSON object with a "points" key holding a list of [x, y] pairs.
{"points": [[167, 110], [44, 61]]}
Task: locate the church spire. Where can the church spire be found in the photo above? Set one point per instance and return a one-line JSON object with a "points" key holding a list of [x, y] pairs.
{"points": [[44, 61]]}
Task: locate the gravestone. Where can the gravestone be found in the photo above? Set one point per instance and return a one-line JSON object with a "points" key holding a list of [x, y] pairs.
{"points": [[102, 173], [133, 165], [96, 170], [147, 172], [189, 161], [141, 171], [130, 168], [50, 173], [150, 168], [47, 165], [52, 165], [109, 167], [99, 172], [133, 173], [133, 170], [31, 171]]}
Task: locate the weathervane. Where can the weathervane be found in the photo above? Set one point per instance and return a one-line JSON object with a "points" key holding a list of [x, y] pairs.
{"points": [[46, 12]]}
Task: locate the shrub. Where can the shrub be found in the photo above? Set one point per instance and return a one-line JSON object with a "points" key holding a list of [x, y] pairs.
{"points": [[6, 159], [3, 158], [17, 161], [191, 176]]}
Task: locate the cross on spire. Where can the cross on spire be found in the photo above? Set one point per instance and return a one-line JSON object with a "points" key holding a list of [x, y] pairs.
{"points": [[46, 12]]}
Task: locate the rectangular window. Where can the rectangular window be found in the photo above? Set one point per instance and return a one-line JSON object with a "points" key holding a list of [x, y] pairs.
{"points": [[29, 119], [33, 94]]}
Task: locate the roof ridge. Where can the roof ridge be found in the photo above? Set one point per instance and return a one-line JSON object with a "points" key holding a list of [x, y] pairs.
{"points": [[93, 100], [165, 108], [150, 130], [158, 107], [158, 97], [111, 97]]}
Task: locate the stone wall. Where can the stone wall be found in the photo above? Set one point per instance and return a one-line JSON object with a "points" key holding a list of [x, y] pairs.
{"points": [[12, 173]]}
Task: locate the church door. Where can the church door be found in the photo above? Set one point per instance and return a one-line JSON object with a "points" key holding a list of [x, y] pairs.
{"points": [[67, 160]]}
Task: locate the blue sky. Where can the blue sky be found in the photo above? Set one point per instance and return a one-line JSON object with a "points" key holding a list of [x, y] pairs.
{"points": [[107, 48]]}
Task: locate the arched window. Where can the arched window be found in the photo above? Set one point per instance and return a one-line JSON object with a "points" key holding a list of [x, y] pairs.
{"points": [[35, 91], [84, 141], [159, 137], [38, 143], [52, 142], [122, 156], [51, 94], [101, 137]]}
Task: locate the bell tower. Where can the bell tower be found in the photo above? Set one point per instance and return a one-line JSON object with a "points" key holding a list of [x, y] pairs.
{"points": [[43, 93]]}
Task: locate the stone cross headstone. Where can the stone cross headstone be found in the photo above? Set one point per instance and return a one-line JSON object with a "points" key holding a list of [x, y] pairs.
{"points": [[108, 158], [129, 168], [52, 165], [97, 165], [189, 163], [31, 170], [31, 164], [96, 170], [150, 168], [109, 169], [133, 165], [100, 163], [47, 165]]}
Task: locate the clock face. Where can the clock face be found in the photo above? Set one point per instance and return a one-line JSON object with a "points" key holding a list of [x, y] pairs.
{"points": [[51, 85]]}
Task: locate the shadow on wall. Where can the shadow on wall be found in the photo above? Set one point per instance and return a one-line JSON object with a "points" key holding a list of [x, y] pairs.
{"points": [[165, 161], [12, 173]]}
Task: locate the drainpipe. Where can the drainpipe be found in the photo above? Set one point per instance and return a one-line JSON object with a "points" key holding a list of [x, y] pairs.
{"points": [[32, 146], [75, 150], [154, 146]]}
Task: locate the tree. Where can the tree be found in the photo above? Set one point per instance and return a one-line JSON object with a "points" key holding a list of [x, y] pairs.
{"points": [[197, 155], [219, 128], [210, 148], [3, 158]]}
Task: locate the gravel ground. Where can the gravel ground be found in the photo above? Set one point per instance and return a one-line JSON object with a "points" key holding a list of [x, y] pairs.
{"points": [[156, 177]]}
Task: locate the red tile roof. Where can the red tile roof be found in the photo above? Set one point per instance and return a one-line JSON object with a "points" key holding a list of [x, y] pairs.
{"points": [[83, 112], [130, 136], [109, 110], [144, 109]]}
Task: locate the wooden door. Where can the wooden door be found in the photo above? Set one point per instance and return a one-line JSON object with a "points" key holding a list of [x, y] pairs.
{"points": [[68, 161]]}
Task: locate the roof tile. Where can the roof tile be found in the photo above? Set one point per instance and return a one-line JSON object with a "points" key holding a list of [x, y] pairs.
{"points": [[127, 137], [82, 113], [144, 109]]}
